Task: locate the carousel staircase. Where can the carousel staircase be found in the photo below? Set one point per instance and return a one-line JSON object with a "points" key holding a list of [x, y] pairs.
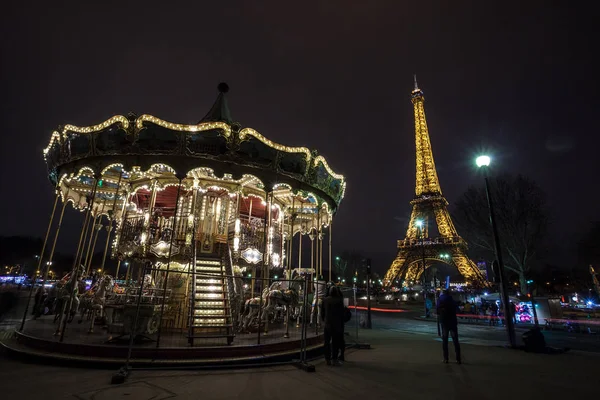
{"points": [[211, 316]]}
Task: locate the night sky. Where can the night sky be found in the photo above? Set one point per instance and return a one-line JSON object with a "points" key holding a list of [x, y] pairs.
{"points": [[517, 80]]}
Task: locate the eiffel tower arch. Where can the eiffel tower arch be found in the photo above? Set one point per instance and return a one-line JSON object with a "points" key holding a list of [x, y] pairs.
{"points": [[429, 210]]}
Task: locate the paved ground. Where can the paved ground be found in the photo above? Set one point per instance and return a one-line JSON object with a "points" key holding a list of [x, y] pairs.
{"points": [[400, 365], [404, 362]]}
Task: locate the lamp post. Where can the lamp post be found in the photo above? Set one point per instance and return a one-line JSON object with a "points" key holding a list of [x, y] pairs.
{"points": [[419, 224], [484, 162], [369, 294]]}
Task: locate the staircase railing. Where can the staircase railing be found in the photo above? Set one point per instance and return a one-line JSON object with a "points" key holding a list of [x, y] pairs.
{"points": [[193, 291], [232, 290]]}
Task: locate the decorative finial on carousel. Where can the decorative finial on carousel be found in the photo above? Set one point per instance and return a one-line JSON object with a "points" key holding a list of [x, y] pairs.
{"points": [[223, 87]]}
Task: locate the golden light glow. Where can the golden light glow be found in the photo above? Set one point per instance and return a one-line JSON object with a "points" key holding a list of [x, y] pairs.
{"points": [[321, 159], [205, 126], [249, 131], [427, 179]]}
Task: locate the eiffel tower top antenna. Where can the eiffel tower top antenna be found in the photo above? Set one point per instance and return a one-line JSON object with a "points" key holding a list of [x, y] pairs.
{"points": [[427, 182]]}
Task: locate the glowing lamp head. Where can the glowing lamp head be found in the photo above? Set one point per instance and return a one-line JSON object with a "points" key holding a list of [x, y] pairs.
{"points": [[419, 223], [483, 161]]}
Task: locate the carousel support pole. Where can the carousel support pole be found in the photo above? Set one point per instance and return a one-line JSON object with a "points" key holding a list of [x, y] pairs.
{"points": [[263, 278], [98, 228], [76, 269], [330, 234], [252, 280], [122, 217], [127, 272], [109, 226], [117, 272], [123, 373], [300, 269], [268, 248], [49, 263], [288, 274], [84, 230], [302, 364], [173, 233], [321, 249], [51, 256], [109, 229], [40, 260], [193, 266], [92, 233], [151, 205], [311, 236]]}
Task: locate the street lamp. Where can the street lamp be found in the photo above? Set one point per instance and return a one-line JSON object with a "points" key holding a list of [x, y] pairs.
{"points": [[484, 161]]}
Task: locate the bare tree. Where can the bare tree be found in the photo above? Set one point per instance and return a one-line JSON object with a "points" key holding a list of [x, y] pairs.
{"points": [[520, 209], [589, 246]]}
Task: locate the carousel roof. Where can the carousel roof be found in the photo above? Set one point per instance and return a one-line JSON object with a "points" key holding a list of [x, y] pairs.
{"points": [[215, 142]]}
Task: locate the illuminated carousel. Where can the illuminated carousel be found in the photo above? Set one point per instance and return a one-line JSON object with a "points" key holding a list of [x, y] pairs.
{"points": [[199, 220]]}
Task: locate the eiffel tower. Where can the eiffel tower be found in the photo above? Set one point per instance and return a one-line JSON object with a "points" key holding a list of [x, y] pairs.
{"points": [[429, 206]]}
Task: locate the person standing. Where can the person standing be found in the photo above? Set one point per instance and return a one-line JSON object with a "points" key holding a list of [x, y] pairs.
{"points": [[333, 317], [320, 292], [446, 309]]}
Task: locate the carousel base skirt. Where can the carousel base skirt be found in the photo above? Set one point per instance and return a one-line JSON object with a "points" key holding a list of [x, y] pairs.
{"points": [[38, 344]]}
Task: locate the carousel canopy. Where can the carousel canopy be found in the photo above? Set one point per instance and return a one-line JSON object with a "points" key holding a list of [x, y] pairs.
{"points": [[216, 144]]}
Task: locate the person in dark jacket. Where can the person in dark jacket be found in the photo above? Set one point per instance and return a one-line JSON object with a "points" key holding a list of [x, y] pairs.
{"points": [[333, 317], [446, 310]]}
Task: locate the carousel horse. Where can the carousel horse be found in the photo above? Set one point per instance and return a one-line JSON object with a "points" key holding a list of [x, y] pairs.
{"points": [[95, 299], [67, 291], [282, 299], [62, 292], [251, 306]]}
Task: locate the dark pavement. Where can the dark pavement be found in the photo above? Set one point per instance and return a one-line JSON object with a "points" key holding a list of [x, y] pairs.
{"points": [[400, 365], [405, 362]]}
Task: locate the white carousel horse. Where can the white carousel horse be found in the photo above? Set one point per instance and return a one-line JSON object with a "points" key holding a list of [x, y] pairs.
{"points": [[70, 286], [97, 299], [251, 306], [282, 299]]}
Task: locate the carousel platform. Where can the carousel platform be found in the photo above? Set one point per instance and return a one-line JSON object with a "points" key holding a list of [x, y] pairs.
{"points": [[99, 349]]}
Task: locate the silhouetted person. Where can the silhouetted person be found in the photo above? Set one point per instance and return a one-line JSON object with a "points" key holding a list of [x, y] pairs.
{"points": [[513, 312], [446, 309], [319, 295], [333, 317]]}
